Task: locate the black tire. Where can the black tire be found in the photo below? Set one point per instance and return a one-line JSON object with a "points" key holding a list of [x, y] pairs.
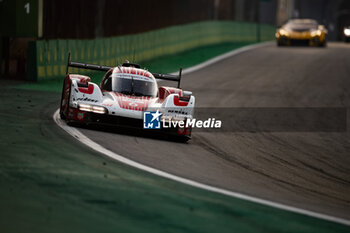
{"points": [[183, 139], [323, 44], [63, 117], [73, 123]]}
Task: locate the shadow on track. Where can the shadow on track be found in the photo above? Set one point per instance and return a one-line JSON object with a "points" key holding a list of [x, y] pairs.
{"points": [[133, 131]]}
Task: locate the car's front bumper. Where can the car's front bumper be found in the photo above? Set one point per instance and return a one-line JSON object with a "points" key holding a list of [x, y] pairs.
{"points": [[90, 118], [305, 38]]}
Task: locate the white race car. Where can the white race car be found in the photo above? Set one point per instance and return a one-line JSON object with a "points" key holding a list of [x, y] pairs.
{"points": [[127, 96]]}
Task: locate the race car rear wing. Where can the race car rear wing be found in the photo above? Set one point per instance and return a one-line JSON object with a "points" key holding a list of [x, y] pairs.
{"points": [[168, 77]]}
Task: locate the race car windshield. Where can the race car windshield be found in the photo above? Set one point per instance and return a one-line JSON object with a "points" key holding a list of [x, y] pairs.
{"points": [[301, 24], [137, 85]]}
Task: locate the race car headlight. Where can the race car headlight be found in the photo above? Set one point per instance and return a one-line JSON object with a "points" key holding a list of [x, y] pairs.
{"points": [[283, 32], [98, 109], [92, 108], [347, 31], [316, 33]]}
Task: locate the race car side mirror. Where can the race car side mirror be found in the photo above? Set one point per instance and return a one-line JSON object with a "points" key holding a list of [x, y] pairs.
{"points": [[186, 93]]}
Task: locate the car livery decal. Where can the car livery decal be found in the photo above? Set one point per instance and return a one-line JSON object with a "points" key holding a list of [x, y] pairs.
{"points": [[131, 70], [135, 103], [89, 90]]}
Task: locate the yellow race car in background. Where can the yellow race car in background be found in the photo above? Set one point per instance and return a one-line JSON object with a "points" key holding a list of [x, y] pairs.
{"points": [[302, 32]]}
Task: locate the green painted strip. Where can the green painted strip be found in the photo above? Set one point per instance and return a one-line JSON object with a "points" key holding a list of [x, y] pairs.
{"points": [[164, 64]]}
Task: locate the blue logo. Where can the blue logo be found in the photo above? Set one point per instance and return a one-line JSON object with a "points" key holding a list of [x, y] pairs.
{"points": [[151, 120]]}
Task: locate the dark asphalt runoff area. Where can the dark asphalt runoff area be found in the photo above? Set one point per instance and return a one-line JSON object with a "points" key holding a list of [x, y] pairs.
{"points": [[309, 170]]}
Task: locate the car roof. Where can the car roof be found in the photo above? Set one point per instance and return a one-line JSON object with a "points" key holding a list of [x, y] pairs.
{"points": [[303, 21], [134, 71]]}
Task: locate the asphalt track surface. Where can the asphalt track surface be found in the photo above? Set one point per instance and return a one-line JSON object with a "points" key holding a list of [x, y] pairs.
{"points": [[308, 170]]}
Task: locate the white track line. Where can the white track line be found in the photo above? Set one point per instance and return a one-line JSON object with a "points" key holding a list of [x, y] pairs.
{"points": [[222, 57], [97, 147]]}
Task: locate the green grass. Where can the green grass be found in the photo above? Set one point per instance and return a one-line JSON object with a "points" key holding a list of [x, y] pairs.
{"points": [[160, 65], [190, 58]]}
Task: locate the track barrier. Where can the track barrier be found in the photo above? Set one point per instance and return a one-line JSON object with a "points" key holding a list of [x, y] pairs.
{"points": [[47, 59]]}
